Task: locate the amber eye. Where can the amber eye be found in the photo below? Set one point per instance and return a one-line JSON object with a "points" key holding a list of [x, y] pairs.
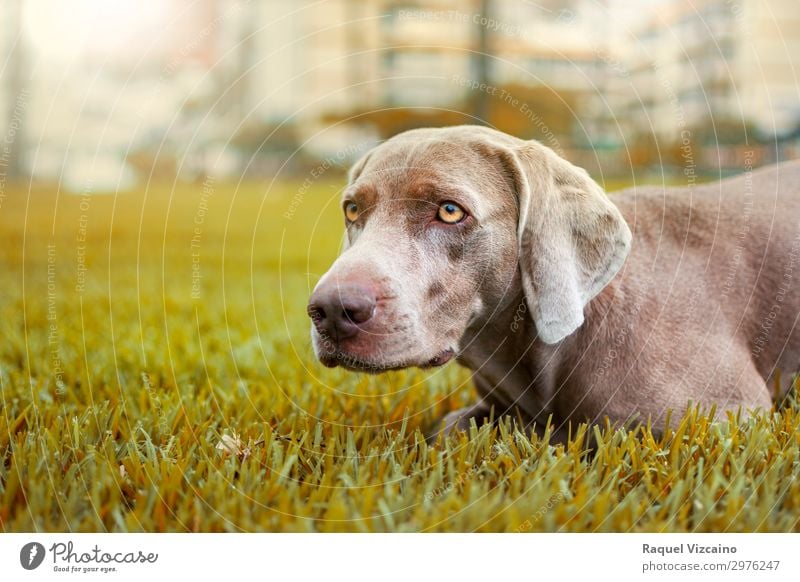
{"points": [[351, 211], [451, 213]]}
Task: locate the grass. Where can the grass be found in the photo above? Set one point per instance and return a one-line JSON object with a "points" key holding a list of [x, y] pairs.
{"points": [[137, 403]]}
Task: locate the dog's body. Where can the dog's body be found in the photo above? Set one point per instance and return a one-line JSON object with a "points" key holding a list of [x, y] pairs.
{"points": [[704, 310], [560, 302]]}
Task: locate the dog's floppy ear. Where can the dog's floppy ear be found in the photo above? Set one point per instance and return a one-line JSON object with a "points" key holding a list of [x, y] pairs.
{"points": [[572, 239]]}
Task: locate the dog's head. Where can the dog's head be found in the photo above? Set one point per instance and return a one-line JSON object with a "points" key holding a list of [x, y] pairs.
{"points": [[444, 226]]}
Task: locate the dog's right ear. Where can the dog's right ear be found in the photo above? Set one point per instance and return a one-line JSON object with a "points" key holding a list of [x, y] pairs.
{"points": [[355, 170], [352, 175], [572, 239]]}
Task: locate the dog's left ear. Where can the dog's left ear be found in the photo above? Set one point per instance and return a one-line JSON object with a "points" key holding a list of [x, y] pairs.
{"points": [[572, 239]]}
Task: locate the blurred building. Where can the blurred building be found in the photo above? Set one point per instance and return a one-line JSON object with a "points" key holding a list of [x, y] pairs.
{"points": [[298, 66], [283, 65], [116, 91], [710, 63]]}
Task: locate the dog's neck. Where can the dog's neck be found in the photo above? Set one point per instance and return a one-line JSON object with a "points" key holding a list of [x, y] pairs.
{"points": [[500, 351], [498, 348]]}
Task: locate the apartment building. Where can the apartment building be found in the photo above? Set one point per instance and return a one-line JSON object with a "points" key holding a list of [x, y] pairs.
{"points": [[707, 63], [305, 62], [214, 70]]}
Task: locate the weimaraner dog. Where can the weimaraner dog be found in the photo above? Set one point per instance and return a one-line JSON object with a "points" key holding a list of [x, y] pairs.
{"points": [[468, 243]]}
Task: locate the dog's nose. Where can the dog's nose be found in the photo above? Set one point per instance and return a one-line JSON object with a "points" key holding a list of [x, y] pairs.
{"points": [[338, 309]]}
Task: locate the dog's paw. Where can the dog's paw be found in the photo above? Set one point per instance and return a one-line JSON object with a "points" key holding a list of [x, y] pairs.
{"points": [[459, 420]]}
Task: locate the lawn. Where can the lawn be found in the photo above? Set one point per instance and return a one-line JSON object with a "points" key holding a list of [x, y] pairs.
{"points": [[156, 375]]}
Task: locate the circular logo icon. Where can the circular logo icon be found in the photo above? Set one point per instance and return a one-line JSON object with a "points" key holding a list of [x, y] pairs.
{"points": [[31, 555]]}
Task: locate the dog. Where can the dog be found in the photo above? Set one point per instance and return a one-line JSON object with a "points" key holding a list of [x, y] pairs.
{"points": [[566, 304]]}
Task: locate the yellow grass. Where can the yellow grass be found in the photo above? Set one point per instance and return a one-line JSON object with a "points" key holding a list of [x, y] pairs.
{"points": [[128, 404]]}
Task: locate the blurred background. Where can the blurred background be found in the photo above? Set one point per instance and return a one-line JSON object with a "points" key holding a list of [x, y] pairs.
{"points": [[111, 94]]}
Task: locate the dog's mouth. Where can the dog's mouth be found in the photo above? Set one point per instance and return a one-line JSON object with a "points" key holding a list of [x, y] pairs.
{"points": [[440, 359], [360, 364]]}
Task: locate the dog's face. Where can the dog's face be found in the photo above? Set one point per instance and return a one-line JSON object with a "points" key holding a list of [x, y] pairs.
{"points": [[434, 242], [426, 249]]}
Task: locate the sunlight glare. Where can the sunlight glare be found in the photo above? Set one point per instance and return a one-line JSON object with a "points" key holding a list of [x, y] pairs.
{"points": [[61, 30]]}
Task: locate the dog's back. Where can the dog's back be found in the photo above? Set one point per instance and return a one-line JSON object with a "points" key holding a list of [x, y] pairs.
{"points": [[709, 297]]}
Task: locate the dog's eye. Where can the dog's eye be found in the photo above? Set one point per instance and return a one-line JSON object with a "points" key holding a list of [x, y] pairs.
{"points": [[451, 213], [351, 211]]}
